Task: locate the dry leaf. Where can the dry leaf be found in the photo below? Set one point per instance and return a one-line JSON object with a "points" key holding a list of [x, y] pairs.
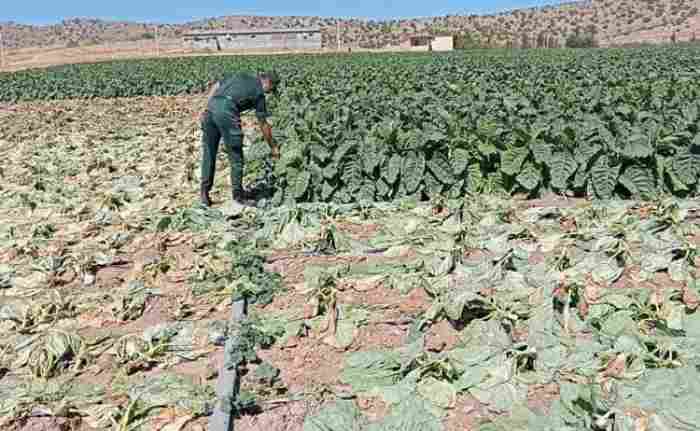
{"points": [[367, 284], [583, 309], [641, 424], [616, 367], [690, 298], [591, 293], [656, 298], [177, 424], [311, 309], [332, 321]]}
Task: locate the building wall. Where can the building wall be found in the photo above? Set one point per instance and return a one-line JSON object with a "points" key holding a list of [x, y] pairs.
{"points": [[310, 40], [443, 43], [201, 43]]}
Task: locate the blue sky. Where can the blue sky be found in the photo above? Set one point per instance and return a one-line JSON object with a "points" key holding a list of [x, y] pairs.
{"points": [[176, 11]]}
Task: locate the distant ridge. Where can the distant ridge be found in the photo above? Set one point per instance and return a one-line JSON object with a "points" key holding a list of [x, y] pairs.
{"points": [[610, 21]]}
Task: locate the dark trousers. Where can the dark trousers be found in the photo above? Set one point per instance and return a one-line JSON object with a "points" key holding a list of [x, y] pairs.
{"points": [[222, 121]]}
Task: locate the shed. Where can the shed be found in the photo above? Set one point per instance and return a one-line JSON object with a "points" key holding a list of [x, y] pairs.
{"points": [[424, 42]]}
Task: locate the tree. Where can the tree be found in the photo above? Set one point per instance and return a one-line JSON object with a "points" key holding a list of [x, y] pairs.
{"points": [[466, 41], [524, 41], [577, 40], [541, 41]]}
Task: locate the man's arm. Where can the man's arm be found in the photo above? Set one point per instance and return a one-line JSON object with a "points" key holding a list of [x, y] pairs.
{"points": [[262, 114], [267, 134], [212, 89]]}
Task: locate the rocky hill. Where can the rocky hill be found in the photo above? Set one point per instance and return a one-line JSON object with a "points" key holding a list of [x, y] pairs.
{"points": [[609, 22]]}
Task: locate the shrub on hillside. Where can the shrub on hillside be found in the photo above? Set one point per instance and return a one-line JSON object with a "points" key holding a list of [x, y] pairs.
{"points": [[466, 41], [581, 41]]}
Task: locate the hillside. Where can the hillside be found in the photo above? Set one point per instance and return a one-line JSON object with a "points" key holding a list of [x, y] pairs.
{"points": [[612, 22]]}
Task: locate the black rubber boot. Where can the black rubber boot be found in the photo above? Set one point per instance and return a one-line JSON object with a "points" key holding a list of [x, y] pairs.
{"points": [[244, 198], [204, 197]]}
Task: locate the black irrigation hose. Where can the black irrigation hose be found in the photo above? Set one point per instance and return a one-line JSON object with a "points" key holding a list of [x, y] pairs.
{"points": [[228, 383]]}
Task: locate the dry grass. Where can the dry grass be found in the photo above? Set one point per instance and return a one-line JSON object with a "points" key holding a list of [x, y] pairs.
{"points": [[30, 58], [34, 58]]}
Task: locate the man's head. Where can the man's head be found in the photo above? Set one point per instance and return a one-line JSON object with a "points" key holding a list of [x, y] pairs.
{"points": [[269, 81]]}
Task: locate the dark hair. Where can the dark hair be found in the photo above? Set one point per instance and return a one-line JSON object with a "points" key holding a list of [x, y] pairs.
{"points": [[272, 76]]}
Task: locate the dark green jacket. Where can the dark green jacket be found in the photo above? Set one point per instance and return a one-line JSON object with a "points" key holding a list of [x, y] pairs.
{"points": [[244, 91]]}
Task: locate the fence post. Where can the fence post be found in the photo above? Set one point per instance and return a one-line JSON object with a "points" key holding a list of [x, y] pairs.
{"points": [[2, 51]]}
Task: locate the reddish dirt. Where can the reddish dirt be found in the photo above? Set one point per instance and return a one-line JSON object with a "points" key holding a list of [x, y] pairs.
{"points": [[380, 336], [199, 424], [291, 268], [413, 303], [441, 337], [8, 255], [568, 224], [475, 255], [520, 334], [553, 200], [101, 372], [540, 397], [373, 408], [293, 300], [309, 364], [466, 415], [44, 424], [628, 278], [286, 417], [291, 265], [659, 282], [359, 231], [536, 257], [112, 276], [694, 239], [156, 313]]}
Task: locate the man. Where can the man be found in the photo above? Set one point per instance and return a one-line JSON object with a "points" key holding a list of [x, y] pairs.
{"points": [[222, 119]]}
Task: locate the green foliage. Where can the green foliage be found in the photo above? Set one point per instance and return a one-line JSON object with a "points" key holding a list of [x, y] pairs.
{"points": [[562, 166], [371, 127], [255, 283], [604, 177], [244, 340]]}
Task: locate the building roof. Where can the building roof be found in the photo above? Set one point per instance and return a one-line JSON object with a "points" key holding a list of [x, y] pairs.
{"points": [[253, 31]]}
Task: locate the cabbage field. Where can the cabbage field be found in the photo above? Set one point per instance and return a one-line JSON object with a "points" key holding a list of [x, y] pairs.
{"points": [[479, 240]]}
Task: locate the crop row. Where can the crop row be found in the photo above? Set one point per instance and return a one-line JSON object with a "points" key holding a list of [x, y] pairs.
{"points": [[377, 127]]}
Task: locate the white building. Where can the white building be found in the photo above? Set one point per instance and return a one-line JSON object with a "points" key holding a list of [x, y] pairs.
{"points": [[257, 39]]}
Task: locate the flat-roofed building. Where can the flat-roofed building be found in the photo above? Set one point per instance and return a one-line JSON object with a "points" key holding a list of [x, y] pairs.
{"points": [[255, 39]]}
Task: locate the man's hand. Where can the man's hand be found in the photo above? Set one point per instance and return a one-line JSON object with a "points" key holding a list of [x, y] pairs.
{"points": [[275, 152], [201, 116], [267, 134]]}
